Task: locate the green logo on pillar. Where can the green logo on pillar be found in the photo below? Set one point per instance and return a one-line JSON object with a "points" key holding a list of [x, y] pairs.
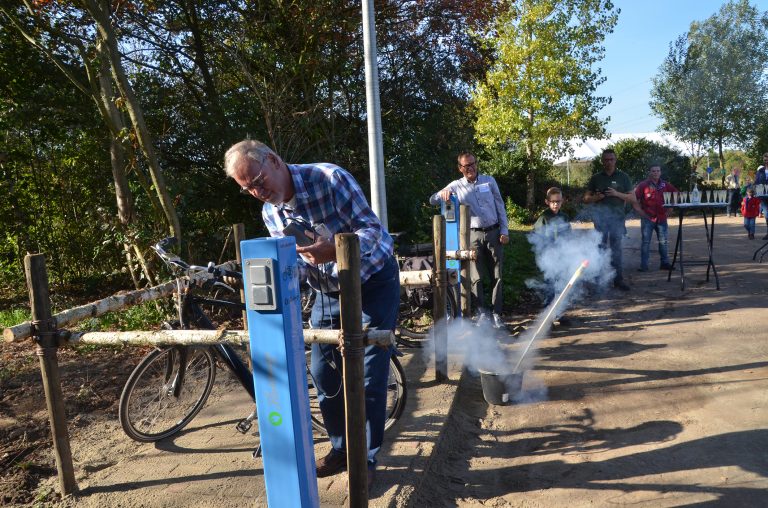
{"points": [[275, 418]]}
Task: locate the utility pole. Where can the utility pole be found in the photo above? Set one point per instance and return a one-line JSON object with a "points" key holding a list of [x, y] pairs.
{"points": [[373, 106]]}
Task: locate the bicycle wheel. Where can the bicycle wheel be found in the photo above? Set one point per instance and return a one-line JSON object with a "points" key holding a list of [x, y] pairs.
{"points": [[314, 406], [160, 397], [451, 303], [397, 393], [409, 338]]}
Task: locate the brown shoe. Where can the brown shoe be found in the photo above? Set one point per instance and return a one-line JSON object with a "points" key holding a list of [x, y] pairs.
{"points": [[331, 464]]}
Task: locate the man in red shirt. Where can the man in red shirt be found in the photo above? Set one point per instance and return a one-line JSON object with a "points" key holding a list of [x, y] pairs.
{"points": [[653, 216]]}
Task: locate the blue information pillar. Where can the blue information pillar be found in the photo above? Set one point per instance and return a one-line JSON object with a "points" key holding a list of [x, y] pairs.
{"points": [[277, 351], [450, 210]]}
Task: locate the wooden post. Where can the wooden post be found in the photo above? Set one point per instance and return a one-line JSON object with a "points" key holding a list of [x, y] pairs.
{"points": [[439, 288], [239, 234], [45, 336], [353, 353], [466, 281]]}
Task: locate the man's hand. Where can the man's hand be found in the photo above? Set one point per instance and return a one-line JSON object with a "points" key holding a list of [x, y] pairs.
{"points": [[322, 251], [504, 239], [445, 194], [593, 197]]}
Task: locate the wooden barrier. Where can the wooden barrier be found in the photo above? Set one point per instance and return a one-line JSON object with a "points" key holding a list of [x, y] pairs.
{"points": [[45, 336], [48, 332], [105, 305], [384, 338], [353, 355], [440, 327], [419, 278]]}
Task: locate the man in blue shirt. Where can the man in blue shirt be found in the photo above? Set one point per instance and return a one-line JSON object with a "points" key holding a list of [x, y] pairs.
{"points": [[489, 230], [327, 200]]}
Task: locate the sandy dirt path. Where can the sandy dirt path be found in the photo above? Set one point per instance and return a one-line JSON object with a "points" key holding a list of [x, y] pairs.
{"points": [[655, 398]]}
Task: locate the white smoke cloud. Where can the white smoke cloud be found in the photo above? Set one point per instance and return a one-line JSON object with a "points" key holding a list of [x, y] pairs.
{"points": [[558, 259], [485, 349]]}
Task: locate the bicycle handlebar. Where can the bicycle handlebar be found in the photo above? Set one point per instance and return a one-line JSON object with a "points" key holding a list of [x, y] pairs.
{"points": [[175, 261]]}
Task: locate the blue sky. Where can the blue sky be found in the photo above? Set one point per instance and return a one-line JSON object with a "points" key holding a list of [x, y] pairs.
{"points": [[636, 49]]}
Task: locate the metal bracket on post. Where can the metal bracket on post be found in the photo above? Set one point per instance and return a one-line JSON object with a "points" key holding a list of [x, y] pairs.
{"points": [[42, 331]]}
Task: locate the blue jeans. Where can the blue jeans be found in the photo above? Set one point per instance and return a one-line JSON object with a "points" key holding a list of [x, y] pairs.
{"points": [[647, 227], [612, 230], [749, 225], [380, 303], [734, 201]]}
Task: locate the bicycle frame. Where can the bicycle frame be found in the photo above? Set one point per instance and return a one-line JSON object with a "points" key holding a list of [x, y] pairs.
{"points": [[192, 316], [166, 373]]}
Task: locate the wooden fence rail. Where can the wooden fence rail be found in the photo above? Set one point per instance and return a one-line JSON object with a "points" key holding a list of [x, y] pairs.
{"points": [[205, 337], [418, 278]]}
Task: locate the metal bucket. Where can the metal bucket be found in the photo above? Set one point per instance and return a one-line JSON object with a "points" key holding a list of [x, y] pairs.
{"points": [[500, 389]]}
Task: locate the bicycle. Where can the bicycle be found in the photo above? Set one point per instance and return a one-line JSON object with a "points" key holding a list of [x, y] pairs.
{"points": [[170, 385], [416, 302]]}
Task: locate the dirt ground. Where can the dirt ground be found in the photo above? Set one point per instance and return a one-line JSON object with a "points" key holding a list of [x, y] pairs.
{"points": [[657, 397]]}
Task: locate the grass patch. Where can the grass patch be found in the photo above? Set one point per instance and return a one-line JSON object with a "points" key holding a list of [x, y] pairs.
{"points": [[13, 317], [143, 316], [519, 264]]}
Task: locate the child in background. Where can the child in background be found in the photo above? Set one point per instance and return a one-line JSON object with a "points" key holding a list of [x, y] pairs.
{"points": [[552, 224], [750, 209]]}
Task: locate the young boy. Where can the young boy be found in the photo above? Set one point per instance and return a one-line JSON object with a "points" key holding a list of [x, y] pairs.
{"points": [[551, 225], [750, 209], [552, 222]]}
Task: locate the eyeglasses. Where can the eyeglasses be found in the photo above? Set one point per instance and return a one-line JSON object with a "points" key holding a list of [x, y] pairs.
{"points": [[257, 184], [467, 166]]}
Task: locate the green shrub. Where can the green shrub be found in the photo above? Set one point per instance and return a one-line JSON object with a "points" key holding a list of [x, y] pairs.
{"points": [[519, 265], [517, 214]]}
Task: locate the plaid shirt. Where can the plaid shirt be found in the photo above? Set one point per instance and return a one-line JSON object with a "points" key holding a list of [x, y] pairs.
{"points": [[331, 201]]}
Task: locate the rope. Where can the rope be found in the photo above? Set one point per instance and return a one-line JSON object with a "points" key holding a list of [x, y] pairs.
{"points": [[348, 343]]}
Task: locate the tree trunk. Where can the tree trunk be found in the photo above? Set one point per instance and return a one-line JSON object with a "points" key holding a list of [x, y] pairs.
{"points": [[100, 14], [116, 150], [530, 177], [720, 156]]}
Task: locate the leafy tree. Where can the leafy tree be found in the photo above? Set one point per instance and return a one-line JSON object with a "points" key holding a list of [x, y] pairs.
{"points": [[711, 88], [209, 73], [541, 88]]}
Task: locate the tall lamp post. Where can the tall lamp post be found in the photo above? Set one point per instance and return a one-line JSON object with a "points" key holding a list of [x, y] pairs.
{"points": [[375, 143]]}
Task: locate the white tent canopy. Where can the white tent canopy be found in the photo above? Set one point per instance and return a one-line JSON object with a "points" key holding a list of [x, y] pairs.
{"points": [[588, 149]]}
